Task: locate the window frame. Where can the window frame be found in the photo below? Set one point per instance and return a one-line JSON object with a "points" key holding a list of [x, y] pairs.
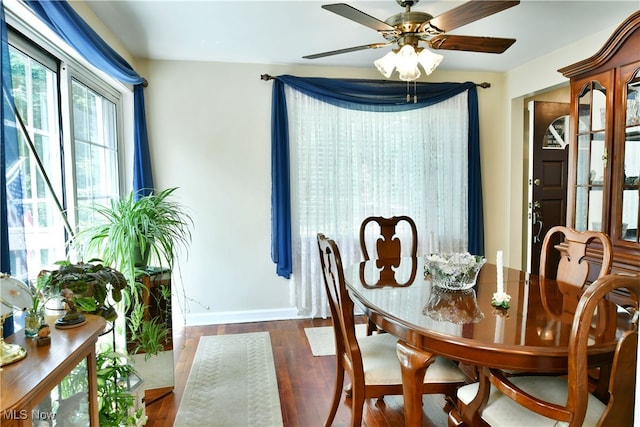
{"points": [[29, 35]]}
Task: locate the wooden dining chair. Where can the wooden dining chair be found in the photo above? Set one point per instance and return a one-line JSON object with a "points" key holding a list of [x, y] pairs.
{"points": [[544, 400], [386, 246], [387, 243], [568, 277], [565, 272], [371, 362]]}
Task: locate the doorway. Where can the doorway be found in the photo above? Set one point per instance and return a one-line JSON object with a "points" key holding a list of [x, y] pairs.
{"points": [[548, 174]]}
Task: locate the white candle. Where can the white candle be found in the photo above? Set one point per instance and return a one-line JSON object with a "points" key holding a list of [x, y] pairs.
{"points": [[499, 268], [498, 335]]}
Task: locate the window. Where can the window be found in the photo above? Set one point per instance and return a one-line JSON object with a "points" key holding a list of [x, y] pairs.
{"points": [[349, 164], [69, 161], [96, 153]]}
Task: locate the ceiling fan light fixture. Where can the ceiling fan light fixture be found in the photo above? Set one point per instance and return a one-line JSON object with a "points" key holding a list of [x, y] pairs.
{"points": [[407, 63], [386, 64], [429, 60], [408, 28]]}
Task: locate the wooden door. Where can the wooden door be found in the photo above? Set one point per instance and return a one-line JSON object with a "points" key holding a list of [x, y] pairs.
{"points": [[548, 173]]}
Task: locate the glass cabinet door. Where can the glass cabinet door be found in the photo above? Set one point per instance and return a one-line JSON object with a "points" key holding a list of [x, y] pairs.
{"points": [[591, 165], [68, 404], [630, 217]]}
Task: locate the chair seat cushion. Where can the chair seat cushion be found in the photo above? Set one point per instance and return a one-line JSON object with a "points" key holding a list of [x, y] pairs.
{"points": [[502, 411], [381, 364]]}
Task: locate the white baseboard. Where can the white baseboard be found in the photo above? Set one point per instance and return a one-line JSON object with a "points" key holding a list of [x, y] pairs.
{"points": [[199, 319]]}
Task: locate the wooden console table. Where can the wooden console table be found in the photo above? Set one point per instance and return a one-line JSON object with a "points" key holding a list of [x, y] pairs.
{"points": [[27, 382]]}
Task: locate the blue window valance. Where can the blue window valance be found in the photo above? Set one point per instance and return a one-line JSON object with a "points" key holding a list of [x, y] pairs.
{"points": [[370, 95], [64, 21]]}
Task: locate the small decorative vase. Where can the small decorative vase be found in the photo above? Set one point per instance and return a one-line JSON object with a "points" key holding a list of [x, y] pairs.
{"points": [[32, 322]]}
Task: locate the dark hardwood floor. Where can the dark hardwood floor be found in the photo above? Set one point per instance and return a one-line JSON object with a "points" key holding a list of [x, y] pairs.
{"points": [[305, 382]]}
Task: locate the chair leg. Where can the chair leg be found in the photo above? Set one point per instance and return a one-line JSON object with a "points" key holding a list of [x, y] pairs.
{"points": [[357, 404], [348, 390], [449, 402], [371, 327], [337, 394], [454, 419]]}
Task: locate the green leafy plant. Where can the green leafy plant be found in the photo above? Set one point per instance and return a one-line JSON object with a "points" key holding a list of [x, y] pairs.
{"points": [[150, 337], [114, 399], [90, 283], [39, 296], [131, 230], [126, 234]]}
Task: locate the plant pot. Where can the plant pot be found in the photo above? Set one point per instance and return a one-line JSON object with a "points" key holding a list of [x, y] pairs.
{"points": [[141, 255]]}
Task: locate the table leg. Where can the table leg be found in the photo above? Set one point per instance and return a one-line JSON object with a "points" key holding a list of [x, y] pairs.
{"points": [[414, 364], [93, 388]]}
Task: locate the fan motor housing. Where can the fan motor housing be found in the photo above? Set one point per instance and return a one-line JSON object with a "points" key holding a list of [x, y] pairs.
{"points": [[407, 3], [409, 22]]}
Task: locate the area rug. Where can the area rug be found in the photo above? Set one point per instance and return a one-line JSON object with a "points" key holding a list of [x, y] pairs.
{"points": [[232, 382], [322, 342]]}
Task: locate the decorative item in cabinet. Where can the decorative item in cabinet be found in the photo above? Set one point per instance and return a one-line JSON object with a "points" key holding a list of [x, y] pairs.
{"points": [[604, 161]]}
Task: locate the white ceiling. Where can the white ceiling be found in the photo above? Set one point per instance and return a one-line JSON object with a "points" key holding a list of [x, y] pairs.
{"points": [[281, 32]]}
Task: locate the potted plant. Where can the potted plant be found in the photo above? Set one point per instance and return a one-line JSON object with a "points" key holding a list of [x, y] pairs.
{"points": [[94, 288], [34, 315], [128, 233], [131, 230], [116, 403], [87, 287]]}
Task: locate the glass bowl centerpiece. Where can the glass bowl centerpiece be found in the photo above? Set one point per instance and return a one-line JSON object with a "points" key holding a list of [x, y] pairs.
{"points": [[459, 306], [454, 271]]}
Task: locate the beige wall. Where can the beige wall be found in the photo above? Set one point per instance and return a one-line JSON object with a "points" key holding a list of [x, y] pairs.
{"points": [[210, 135]]}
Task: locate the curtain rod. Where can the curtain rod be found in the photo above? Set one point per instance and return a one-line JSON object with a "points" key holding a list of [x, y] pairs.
{"points": [[267, 77]]}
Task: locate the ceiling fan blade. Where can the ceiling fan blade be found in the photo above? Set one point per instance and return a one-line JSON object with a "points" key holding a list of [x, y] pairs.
{"points": [[470, 43], [347, 50], [468, 13], [358, 16]]}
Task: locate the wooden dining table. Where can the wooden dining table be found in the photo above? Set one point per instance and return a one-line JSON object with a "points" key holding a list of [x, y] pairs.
{"points": [[462, 325]]}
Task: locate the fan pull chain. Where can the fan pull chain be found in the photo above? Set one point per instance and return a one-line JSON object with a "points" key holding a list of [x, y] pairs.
{"points": [[415, 92]]}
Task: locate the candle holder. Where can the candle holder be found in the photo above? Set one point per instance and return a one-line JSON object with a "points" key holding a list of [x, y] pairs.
{"points": [[501, 300], [500, 312]]}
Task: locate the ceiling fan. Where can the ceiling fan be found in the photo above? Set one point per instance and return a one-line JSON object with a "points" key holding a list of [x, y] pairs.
{"points": [[409, 28]]}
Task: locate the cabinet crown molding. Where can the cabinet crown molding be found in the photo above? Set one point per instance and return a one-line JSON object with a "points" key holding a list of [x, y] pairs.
{"points": [[606, 52]]}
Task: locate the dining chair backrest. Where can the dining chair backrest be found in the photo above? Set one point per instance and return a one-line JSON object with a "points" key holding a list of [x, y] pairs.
{"points": [[388, 242], [621, 387], [573, 269], [371, 361], [340, 304]]}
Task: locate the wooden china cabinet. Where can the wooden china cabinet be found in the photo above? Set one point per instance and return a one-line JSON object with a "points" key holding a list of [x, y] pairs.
{"points": [[604, 165]]}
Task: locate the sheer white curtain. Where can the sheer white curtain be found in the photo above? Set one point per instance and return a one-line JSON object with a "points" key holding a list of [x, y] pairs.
{"points": [[350, 164]]}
